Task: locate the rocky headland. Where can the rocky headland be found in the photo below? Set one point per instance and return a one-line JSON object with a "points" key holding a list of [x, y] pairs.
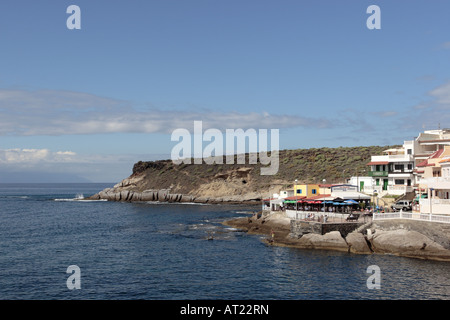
{"points": [[163, 180]]}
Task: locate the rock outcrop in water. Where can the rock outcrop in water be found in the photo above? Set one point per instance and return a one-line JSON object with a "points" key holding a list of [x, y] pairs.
{"points": [[409, 238]]}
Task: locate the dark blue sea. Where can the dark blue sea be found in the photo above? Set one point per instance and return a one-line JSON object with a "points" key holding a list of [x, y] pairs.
{"points": [[156, 251]]}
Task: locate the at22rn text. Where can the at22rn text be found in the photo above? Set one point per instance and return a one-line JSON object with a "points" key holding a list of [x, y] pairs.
{"points": [[246, 309]]}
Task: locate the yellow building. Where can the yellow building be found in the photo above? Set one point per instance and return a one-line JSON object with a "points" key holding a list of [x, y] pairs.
{"points": [[306, 190]]}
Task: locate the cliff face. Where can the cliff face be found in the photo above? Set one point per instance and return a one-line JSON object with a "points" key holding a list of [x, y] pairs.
{"points": [[165, 181]]}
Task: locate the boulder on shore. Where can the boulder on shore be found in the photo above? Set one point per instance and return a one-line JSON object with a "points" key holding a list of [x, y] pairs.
{"points": [[331, 241], [407, 243], [357, 243]]}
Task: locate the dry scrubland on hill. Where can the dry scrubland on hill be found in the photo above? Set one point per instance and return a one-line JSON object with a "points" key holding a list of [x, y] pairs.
{"points": [[165, 181]]}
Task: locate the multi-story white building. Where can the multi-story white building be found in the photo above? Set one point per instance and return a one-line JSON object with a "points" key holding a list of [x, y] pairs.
{"points": [[398, 171], [393, 172], [428, 142], [435, 183]]}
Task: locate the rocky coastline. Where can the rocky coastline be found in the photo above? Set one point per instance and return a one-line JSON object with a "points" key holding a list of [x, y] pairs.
{"points": [[164, 195], [406, 238], [135, 189]]}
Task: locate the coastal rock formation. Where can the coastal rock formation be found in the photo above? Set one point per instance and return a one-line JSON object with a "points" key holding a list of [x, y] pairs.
{"points": [[408, 238], [357, 243], [329, 241], [407, 243], [232, 186], [118, 194]]}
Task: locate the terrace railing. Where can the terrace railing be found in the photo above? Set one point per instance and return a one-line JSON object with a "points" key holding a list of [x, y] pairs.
{"points": [[412, 216]]}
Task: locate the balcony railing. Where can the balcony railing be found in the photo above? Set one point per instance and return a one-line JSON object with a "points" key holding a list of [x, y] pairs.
{"points": [[378, 173], [400, 188]]}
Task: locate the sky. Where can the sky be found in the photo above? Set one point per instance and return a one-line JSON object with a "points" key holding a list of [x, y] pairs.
{"points": [[86, 104]]}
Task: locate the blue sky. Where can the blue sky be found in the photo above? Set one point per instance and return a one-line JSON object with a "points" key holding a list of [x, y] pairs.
{"points": [[92, 102]]}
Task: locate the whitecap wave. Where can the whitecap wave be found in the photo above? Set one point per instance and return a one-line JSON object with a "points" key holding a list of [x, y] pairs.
{"points": [[177, 203], [79, 200]]}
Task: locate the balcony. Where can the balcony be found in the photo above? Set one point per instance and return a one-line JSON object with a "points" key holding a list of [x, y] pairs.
{"points": [[378, 173]]}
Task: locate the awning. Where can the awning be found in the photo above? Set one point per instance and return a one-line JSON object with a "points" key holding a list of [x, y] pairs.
{"points": [[277, 201], [424, 196], [349, 195], [374, 163], [295, 198], [351, 202]]}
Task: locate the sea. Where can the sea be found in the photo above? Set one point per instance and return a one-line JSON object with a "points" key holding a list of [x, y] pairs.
{"points": [[51, 240]]}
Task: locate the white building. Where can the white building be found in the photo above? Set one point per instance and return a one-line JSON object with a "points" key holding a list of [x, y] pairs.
{"points": [[365, 184], [392, 172], [428, 142], [435, 182]]}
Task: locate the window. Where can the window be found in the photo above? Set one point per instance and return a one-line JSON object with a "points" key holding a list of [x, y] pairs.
{"points": [[409, 151], [410, 166], [299, 191], [314, 191], [400, 181], [399, 167]]}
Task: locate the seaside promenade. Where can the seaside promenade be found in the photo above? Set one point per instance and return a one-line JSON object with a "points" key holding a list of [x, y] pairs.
{"points": [[320, 216]]}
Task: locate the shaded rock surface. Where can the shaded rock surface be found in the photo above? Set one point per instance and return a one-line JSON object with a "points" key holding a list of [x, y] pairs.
{"points": [[407, 242], [329, 241], [357, 243]]}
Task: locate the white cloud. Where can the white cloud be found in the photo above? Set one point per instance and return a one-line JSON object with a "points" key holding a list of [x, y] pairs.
{"points": [[386, 114], [430, 114], [441, 94], [34, 156], [93, 167], [47, 112]]}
